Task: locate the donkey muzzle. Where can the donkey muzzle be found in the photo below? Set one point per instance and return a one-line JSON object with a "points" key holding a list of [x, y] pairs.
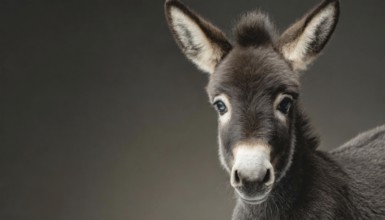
{"points": [[252, 174]]}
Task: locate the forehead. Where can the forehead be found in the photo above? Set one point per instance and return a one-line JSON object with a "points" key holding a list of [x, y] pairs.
{"points": [[253, 71]]}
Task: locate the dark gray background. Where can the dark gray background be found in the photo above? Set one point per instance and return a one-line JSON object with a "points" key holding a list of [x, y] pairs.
{"points": [[101, 116]]}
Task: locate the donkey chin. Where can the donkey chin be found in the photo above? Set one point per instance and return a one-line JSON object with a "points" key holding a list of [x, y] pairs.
{"points": [[252, 174]]}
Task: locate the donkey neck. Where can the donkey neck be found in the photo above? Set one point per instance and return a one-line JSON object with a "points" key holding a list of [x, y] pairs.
{"points": [[304, 169]]}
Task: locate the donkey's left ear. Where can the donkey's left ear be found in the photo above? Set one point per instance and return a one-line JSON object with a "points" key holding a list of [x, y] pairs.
{"points": [[305, 39], [200, 41]]}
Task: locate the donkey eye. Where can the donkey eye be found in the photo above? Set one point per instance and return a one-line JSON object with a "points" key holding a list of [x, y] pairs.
{"points": [[285, 105], [220, 107]]}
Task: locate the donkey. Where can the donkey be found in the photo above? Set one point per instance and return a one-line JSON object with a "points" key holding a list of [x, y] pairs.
{"points": [[265, 141]]}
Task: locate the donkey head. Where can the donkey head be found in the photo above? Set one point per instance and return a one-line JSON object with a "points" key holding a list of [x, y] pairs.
{"points": [[254, 86]]}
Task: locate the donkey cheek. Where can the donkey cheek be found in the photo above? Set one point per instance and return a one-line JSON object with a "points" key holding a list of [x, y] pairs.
{"points": [[280, 159], [224, 151]]}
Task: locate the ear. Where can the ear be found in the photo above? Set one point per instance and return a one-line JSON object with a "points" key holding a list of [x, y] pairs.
{"points": [[304, 40], [200, 41]]}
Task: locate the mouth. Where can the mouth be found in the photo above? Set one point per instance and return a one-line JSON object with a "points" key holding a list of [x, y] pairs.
{"points": [[253, 201]]}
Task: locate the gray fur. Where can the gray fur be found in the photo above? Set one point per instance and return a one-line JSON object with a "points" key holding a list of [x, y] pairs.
{"points": [[347, 183]]}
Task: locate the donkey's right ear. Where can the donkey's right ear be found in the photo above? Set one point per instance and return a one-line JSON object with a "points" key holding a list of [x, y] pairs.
{"points": [[200, 41]]}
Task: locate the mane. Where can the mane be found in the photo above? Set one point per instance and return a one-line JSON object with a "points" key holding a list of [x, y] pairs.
{"points": [[255, 29]]}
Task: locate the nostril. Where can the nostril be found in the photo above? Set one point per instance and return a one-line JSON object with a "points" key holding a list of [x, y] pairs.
{"points": [[237, 179], [256, 177], [267, 177]]}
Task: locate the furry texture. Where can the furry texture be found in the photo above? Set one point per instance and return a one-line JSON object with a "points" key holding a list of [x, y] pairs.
{"points": [[255, 29], [347, 183], [304, 40], [202, 43]]}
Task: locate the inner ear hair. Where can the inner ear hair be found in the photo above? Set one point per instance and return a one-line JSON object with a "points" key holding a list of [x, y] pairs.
{"points": [[201, 42], [305, 39]]}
